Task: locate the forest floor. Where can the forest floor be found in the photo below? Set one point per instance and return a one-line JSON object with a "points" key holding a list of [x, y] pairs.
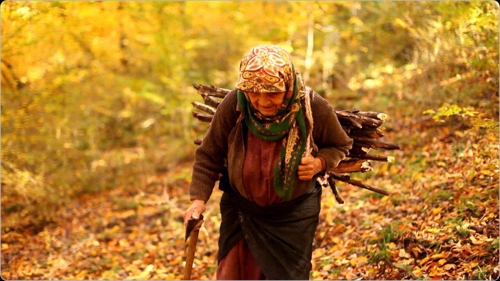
{"points": [[441, 221]]}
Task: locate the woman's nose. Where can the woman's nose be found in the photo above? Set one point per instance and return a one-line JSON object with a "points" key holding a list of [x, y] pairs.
{"points": [[263, 100]]}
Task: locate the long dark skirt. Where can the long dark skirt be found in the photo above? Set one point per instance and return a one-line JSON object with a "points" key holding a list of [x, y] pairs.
{"points": [[280, 236]]}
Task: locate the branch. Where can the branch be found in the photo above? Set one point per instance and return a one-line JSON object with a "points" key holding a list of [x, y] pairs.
{"points": [[203, 117], [335, 191], [211, 90], [357, 183], [211, 101], [204, 107]]}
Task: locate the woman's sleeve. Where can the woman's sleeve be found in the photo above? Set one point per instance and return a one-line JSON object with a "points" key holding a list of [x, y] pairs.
{"points": [[332, 141], [210, 155]]}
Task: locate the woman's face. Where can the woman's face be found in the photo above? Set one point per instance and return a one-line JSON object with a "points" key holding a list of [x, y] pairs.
{"points": [[266, 103]]}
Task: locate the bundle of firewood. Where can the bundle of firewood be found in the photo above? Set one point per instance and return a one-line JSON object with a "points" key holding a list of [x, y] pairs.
{"points": [[364, 127]]}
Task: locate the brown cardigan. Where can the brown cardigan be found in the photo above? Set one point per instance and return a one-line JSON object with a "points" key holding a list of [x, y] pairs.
{"points": [[225, 140]]}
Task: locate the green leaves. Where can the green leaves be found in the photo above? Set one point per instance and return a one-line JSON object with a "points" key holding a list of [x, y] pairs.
{"points": [[446, 111], [477, 119]]}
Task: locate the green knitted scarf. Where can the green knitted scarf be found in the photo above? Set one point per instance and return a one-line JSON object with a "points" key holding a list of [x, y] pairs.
{"points": [[287, 124]]}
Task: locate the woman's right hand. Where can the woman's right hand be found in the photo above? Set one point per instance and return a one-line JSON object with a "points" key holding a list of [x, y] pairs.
{"points": [[195, 210]]}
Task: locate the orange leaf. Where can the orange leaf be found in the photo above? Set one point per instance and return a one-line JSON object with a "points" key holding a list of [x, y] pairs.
{"points": [[436, 211], [433, 230], [424, 260], [449, 266], [438, 256]]}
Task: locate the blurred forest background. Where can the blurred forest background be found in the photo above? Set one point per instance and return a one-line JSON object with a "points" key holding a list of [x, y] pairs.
{"points": [[97, 132]]}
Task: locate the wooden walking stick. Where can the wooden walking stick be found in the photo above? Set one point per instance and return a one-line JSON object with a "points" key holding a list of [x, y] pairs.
{"points": [[192, 231]]}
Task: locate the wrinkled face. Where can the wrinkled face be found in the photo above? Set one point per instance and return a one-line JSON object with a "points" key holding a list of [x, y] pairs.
{"points": [[266, 103]]}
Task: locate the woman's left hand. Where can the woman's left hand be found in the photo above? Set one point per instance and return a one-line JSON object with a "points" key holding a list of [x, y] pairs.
{"points": [[308, 167]]}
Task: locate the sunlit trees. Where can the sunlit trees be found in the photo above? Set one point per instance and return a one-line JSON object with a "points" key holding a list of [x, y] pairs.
{"points": [[81, 80]]}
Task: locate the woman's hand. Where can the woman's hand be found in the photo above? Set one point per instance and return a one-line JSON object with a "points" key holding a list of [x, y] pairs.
{"points": [[308, 167], [195, 210]]}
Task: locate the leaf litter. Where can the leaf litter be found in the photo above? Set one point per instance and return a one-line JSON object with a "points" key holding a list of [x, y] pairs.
{"points": [[441, 221]]}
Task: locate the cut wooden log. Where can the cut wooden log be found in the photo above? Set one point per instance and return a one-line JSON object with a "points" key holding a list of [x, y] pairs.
{"points": [[376, 158], [372, 114], [371, 143], [353, 166], [375, 133], [348, 120], [357, 151], [359, 118]]}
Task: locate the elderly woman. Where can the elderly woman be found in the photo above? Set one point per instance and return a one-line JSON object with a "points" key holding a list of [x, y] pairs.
{"points": [[270, 137]]}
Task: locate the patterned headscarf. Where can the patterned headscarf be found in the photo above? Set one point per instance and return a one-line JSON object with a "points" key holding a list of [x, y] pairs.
{"points": [[265, 69]]}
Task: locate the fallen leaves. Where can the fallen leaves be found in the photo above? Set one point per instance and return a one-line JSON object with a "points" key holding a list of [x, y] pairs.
{"points": [[440, 222], [102, 240]]}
